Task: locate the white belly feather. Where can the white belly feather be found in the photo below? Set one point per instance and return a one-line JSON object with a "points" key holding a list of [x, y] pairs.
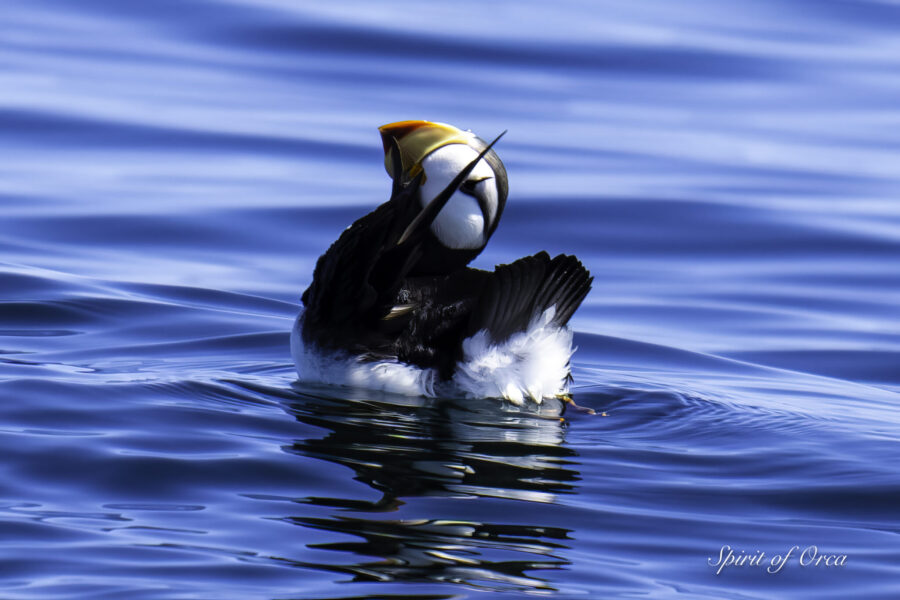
{"points": [[530, 364]]}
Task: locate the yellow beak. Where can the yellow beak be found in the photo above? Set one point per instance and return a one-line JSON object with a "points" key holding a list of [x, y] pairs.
{"points": [[416, 140]]}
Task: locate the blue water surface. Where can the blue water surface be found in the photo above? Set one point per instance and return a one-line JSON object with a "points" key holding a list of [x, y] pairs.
{"points": [[728, 170]]}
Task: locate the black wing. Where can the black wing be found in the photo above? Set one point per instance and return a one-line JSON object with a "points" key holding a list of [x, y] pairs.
{"points": [[518, 293], [359, 274], [502, 302]]}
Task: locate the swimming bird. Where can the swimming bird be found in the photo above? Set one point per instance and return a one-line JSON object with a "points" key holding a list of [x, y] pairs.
{"points": [[394, 306]]}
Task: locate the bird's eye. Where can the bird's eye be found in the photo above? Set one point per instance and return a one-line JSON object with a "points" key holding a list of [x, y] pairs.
{"points": [[468, 186]]}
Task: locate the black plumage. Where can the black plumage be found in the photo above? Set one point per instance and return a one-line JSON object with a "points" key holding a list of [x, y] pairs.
{"points": [[371, 296]]}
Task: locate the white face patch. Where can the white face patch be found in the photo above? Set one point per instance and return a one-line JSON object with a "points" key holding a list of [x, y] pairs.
{"points": [[461, 223]]}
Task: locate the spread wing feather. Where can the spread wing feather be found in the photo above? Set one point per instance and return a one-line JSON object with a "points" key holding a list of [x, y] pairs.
{"points": [[519, 292]]}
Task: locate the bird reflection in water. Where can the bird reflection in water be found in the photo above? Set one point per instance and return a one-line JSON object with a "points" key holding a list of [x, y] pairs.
{"points": [[415, 447]]}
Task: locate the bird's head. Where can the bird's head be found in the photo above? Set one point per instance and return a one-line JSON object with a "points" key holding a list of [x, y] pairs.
{"points": [[440, 152]]}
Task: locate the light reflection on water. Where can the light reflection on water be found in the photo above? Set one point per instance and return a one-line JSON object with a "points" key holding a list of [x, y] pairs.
{"points": [[427, 447]]}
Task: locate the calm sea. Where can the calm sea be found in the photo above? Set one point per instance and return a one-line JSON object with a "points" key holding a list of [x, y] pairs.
{"points": [[728, 170]]}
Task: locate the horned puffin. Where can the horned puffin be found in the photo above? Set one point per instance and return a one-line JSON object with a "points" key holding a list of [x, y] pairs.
{"points": [[394, 306]]}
